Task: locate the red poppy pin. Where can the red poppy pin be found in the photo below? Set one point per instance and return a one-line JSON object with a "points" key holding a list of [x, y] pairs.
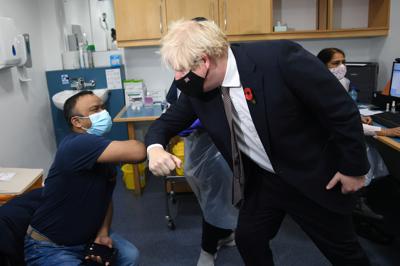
{"points": [[248, 93]]}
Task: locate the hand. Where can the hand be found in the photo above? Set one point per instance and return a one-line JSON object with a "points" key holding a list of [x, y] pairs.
{"points": [[390, 132], [161, 163], [350, 184], [366, 120], [102, 240]]}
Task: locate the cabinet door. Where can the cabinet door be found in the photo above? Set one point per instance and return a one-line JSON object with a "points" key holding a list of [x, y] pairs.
{"points": [[188, 9], [238, 17], [139, 20]]}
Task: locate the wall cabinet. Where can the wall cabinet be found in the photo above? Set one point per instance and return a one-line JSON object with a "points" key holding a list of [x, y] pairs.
{"points": [[142, 23], [188, 9], [239, 17], [138, 22]]}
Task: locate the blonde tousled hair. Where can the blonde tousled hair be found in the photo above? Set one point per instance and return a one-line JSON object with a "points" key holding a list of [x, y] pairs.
{"points": [[187, 40]]}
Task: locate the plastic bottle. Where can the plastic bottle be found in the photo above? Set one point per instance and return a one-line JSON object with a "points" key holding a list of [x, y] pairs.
{"points": [[148, 100], [90, 49], [81, 55], [353, 93], [393, 109]]}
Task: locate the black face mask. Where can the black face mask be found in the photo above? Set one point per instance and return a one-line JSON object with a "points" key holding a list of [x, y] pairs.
{"points": [[191, 85]]}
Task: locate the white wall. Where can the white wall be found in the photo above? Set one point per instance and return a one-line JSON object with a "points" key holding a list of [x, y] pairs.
{"points": [[350, 14], [51, 27], [145, 63], [77, 13], [296, 14], [384, 50], [26, 131], [355, 49], [99, 36]]}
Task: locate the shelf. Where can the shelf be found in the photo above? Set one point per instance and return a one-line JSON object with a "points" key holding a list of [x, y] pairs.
{"points": [[297, 15], [318, 34]]}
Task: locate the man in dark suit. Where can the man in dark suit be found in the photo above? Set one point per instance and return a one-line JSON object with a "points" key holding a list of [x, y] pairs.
{"points": [[298, 135]]}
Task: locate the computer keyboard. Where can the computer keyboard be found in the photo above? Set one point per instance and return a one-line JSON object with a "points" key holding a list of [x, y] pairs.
{"points": [[387, 119]]}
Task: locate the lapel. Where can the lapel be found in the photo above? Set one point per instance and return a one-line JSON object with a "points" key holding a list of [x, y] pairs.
{"points": [[250, 78]]}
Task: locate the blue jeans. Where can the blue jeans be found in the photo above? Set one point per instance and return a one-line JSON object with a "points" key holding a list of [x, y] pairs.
{"points": [[39, 253]]}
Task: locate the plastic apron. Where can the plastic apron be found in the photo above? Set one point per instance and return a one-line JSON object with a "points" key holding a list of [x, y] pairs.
{"points": [[378, 166], [210, 178]]}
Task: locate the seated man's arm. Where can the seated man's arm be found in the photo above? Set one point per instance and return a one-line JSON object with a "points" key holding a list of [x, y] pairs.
{"points": [[103, 234], [389, 132], [103, 237], [123, 151]]}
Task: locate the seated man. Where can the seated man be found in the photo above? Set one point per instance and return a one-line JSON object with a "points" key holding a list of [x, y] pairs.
{"points": [[76, 207]]}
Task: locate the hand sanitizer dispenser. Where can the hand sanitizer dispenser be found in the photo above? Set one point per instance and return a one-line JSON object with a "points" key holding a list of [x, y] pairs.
{"points": [[13, 49]]}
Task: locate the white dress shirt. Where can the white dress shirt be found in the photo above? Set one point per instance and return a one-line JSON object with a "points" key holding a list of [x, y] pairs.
{"points": [[248, 140], [370, 130]]}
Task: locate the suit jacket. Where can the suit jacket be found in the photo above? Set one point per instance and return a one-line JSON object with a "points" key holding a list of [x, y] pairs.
{"points": [[307, 123], [15, 217]]}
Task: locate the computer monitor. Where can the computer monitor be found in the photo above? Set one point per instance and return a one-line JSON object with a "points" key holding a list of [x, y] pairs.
{"points": [[395, 80]]}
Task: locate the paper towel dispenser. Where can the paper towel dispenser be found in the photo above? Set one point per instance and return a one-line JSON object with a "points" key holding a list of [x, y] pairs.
{"points": [[14, 47]]}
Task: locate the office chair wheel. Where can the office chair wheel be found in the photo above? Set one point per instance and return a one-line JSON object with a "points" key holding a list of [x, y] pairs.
{"points": [[171, 225]]}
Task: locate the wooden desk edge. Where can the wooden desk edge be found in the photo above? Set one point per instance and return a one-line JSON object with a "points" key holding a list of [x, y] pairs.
{"points": [[36, 183], [390, 142], [118, 116], [136, 119]]}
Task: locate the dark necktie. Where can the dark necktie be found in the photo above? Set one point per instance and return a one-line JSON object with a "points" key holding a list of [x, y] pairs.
{"points": [[238, 174]]}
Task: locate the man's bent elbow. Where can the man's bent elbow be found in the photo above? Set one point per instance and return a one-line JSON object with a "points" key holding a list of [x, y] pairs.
{"points": [[137, 151]]}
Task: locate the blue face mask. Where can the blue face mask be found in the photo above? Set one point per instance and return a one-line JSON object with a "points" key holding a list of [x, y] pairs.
{"points": [[101, 123]]}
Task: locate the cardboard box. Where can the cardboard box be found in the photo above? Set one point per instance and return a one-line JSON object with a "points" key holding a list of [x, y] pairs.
{"points": [[134, 92]]}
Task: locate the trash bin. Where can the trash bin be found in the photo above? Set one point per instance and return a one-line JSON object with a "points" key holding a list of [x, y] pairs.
{"points": [[127, 170], [178, 151]]}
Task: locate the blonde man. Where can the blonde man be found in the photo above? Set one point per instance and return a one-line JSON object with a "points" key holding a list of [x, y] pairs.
{"points": [[298, 135]]}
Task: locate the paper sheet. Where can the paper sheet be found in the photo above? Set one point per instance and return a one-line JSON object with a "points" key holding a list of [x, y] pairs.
{"points": [[113, 77], [367, 112], [4, 176]]}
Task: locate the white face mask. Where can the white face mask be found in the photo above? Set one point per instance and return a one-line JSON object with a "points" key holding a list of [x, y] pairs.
{"points": [[339, 71]]}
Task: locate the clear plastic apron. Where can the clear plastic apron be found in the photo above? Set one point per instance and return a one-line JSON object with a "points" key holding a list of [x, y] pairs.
{"points": [[377, 165], [210, 178]]}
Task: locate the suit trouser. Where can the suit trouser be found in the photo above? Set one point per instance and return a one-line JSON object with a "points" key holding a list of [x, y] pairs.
{"points": [[211, 235], [268, 199]]}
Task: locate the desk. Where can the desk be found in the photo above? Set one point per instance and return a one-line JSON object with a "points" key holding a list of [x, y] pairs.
{"points": [[129, 116], [391, 142], [389, 149], [23, 181]]}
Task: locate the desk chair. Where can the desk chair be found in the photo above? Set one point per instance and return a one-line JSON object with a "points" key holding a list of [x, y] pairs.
{"points": [[383, 195], [173, 184]]}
